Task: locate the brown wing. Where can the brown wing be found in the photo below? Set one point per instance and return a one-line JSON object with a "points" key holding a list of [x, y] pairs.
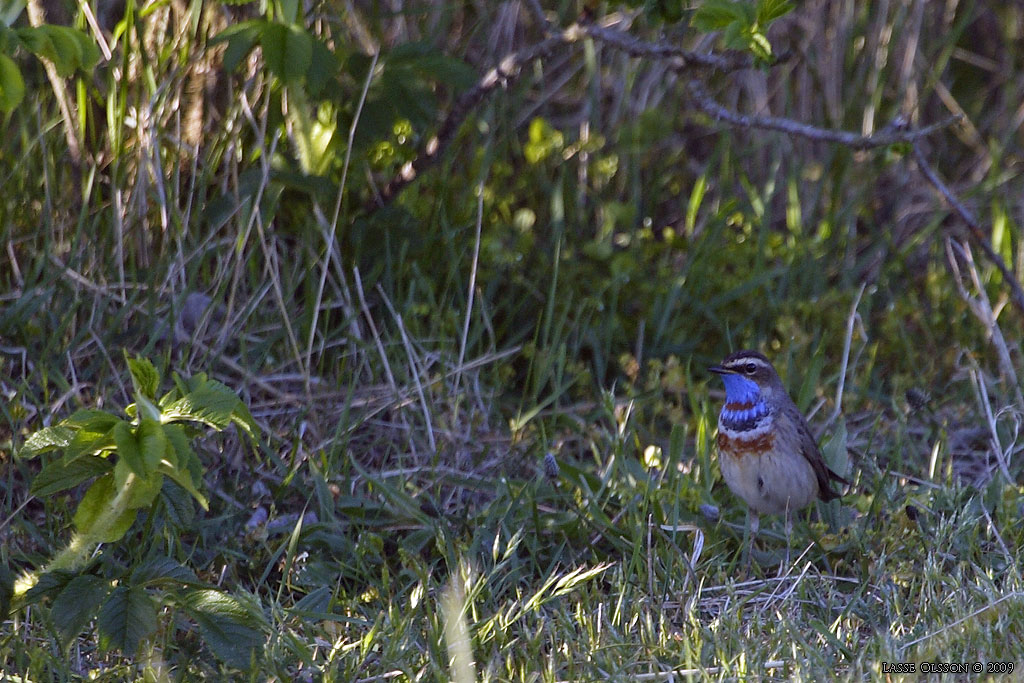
{"points": [[809, 449]]}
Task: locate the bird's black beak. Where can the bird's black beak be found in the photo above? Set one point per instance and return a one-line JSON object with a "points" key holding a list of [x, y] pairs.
{"points": [[719, 370]]}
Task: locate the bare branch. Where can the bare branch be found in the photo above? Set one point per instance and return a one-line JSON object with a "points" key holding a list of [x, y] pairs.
{"points": [[661, 50], [503, 74], [886, 136], [508, 70]]}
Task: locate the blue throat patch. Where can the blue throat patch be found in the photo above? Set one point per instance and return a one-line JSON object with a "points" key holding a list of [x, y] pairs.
{"points": [[742, 391]]}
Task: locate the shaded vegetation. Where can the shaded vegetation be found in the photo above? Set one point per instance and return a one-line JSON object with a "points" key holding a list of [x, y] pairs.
{"points": [[495, 380]]}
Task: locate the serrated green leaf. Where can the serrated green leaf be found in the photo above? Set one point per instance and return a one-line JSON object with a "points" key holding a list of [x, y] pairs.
{"points": [[144, 408], [145, 378], [180, 451], [210, 403], [152, 442], [92, 440], [94, 506], [64, 474], [49, 585], [127, 619], [141, 491], [128, 449], [46, 439], [162, 571], [97, 421], [177, 504], [230, 630], [184, 480], [77, 604]]}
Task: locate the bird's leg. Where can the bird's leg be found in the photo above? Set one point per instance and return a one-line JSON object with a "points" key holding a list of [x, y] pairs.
{"points": [[789, 534], [750, 533]]}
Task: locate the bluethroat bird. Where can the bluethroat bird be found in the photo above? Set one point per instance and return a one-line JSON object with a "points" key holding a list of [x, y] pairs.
{"points": [[766, 452]]}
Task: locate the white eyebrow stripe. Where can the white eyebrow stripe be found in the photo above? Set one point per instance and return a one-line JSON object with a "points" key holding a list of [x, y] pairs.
{"points": [[737, 362]]}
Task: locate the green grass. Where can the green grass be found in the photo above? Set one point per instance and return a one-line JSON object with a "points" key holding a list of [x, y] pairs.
{"points": [[398, 498]]}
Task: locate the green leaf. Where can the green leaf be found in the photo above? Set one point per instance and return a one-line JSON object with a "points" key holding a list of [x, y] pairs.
{"points": [[128, 449], [715, 15], [241, 38], [142, 491], [64, 474], [47, 438], [298, 55], [127, 619], [89, 50], [77, 604], [322, 68], [93, 438], [229, 629], [273, 41], [213, 404], [696, 197], [6, 590], [65, 50], [176, 504], [98, 421], [153, 443], [734, 36], [162, 571], [184, 458], [184, 480], [770, 10], [37, 41], [145, 378], [429, 62], [94, 505], [49, 584]]}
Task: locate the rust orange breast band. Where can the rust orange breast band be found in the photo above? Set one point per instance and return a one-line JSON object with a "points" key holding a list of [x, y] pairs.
{"points": [[738, 448]]}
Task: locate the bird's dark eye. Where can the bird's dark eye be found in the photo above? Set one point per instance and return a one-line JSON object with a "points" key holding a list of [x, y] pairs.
{"points": [[750, 368]]}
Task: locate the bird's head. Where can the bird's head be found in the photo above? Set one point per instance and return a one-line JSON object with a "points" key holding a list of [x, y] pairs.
{"points": [[749, 378]]}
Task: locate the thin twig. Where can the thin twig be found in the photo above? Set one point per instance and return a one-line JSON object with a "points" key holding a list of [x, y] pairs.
{"points": [[472, 281], [982, 309], [850, 320], [981, 610], [1016, 293], [503, 74]]}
